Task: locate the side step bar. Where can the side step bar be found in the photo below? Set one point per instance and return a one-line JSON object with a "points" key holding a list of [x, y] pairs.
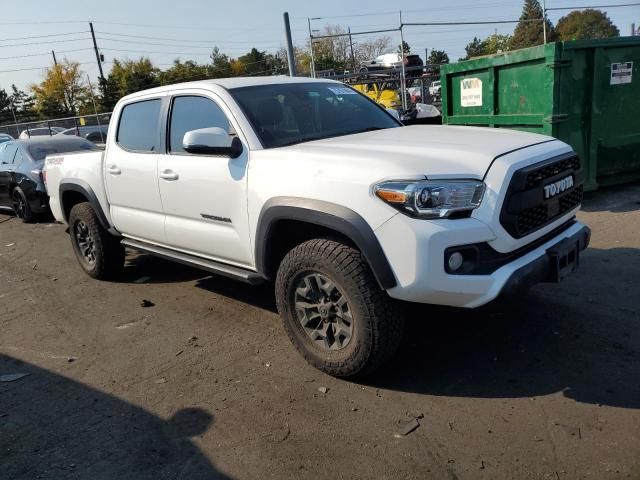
{"points": [[230, 271]]}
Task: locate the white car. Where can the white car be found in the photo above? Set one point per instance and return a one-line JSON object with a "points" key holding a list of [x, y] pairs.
{"points": [[40, 132], [434, 88], [309, 184]]}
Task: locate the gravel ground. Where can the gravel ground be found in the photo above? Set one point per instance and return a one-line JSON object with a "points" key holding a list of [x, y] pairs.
{"points": [[204, 383]]}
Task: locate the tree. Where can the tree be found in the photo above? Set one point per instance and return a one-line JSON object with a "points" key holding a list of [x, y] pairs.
{"points": [[475, 48], [23, 104], [438, 57], [368, 50], [62, 92], [497, 44], [404, 47], [5, 107], [130, 76], [220, 64], [184, 72], [529, 31], [586, 24]]}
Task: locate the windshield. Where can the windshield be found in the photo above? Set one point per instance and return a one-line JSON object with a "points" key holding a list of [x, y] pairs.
{"points": [[39, 150], [287, 114]]}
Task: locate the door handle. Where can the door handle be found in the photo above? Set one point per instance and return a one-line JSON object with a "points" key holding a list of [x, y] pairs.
{"points": [[113, 170], [169, 175]]}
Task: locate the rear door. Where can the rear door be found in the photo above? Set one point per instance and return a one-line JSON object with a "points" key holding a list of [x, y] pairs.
{"points": [[131, 170], [204, 196], [7, 154]]}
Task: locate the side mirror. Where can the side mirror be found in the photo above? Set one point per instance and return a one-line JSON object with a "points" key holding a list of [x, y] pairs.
{"points": [[212, 141]]}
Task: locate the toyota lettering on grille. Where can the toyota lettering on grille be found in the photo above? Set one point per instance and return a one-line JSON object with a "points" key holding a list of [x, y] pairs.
{"points": [[556, 188]]}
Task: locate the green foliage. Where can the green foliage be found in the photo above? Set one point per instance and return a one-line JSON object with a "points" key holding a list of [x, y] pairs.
{"points": [[220, 64], [188, 71], [529, 31], [586, 24], [475, 48], [5, 107], [131, 76], [404, 47], [438, 57]]}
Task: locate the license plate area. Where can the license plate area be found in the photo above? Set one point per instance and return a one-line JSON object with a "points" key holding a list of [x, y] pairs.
{"points": [[565, 258]]}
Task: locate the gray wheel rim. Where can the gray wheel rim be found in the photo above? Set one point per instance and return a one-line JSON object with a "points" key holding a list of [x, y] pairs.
{"points": [[85, 242], [323, 311], [19, 206]]}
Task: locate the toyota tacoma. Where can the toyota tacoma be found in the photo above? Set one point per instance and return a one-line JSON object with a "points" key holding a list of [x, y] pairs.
{"points": [[311, 185]]}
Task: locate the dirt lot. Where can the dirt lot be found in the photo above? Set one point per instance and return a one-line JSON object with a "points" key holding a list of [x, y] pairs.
{"points": [[204, 384]]}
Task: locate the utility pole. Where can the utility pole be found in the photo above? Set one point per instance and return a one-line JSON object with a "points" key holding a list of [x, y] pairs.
{"points": [[633, 29], [353, 57], [95, 47], [313, 63], [55, 62], [403, 87], [544, 21], [291, 56]]}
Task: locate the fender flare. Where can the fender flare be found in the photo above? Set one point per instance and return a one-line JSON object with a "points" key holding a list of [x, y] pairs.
{"points": [[325, 214], [80, 186]]}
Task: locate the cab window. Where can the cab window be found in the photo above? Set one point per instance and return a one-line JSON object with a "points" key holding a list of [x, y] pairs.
{"points": [[192, 113], [138, 129]]}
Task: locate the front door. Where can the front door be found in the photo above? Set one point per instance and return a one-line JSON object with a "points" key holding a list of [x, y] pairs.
{"points": [[131, 172], [204, 197], [7, 153]]}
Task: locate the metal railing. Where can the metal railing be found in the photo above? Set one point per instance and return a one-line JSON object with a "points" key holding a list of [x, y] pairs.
{"points": [[81, 123]]}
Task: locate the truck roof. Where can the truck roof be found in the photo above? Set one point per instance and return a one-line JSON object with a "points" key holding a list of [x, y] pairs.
{"points": [[229, 83]]}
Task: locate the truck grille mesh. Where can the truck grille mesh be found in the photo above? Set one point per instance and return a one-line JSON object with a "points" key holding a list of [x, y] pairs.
{"points": [[536, 177], [525, 209]]}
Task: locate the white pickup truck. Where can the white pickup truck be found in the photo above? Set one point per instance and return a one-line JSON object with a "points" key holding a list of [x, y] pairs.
{"points": [[310, 184]]}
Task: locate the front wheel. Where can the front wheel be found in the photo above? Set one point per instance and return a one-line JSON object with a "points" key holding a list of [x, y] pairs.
{"points": [[334, 311], [100, 254]]}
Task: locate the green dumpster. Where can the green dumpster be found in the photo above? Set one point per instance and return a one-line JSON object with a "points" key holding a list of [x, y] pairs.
{"points": [[585, 93]]}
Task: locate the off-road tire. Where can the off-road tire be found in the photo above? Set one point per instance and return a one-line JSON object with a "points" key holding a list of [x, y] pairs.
{"points": [[23, 211], [377, 324], [108, 252]]}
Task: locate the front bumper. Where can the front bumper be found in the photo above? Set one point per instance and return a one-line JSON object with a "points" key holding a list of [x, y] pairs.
{"points": [[416, 249]]}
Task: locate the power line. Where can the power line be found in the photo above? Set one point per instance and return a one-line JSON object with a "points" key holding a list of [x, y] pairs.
{"points": [[43, 43], [35, 68], [163, 44], [595, 6], [43, 54], [43, 36], [175, 39]]}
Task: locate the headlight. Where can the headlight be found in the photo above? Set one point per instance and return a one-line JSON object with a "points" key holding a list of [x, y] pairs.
{"points": [[431, 198]]}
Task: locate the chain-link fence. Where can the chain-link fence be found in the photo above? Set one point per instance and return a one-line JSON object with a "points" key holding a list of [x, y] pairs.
{"points": [[92, 127]]}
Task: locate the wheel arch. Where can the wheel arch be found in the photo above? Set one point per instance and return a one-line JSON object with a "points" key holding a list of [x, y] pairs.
{"points": [[315, 218], [76, 191]]}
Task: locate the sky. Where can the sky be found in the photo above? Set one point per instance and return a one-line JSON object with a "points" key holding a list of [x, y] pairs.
{"points": [[164, 30]]}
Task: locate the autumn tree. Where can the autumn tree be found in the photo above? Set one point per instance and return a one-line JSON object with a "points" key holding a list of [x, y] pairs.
{"points": [[529, 31], [63, 90], [586, 24]]}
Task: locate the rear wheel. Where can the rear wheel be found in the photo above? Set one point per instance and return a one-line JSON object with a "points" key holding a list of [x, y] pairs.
{"points": [[100, 254], [334, 311], [21, 206]]}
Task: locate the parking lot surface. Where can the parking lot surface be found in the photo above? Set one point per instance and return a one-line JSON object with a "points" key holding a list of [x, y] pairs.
{"points": [[203, 382]]}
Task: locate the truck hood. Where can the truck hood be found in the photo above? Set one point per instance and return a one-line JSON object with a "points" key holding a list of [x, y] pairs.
{"points": [[432, 150]]}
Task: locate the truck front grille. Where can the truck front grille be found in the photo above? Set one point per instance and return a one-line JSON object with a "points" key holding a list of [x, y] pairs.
{"points": [[528, 208]]}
